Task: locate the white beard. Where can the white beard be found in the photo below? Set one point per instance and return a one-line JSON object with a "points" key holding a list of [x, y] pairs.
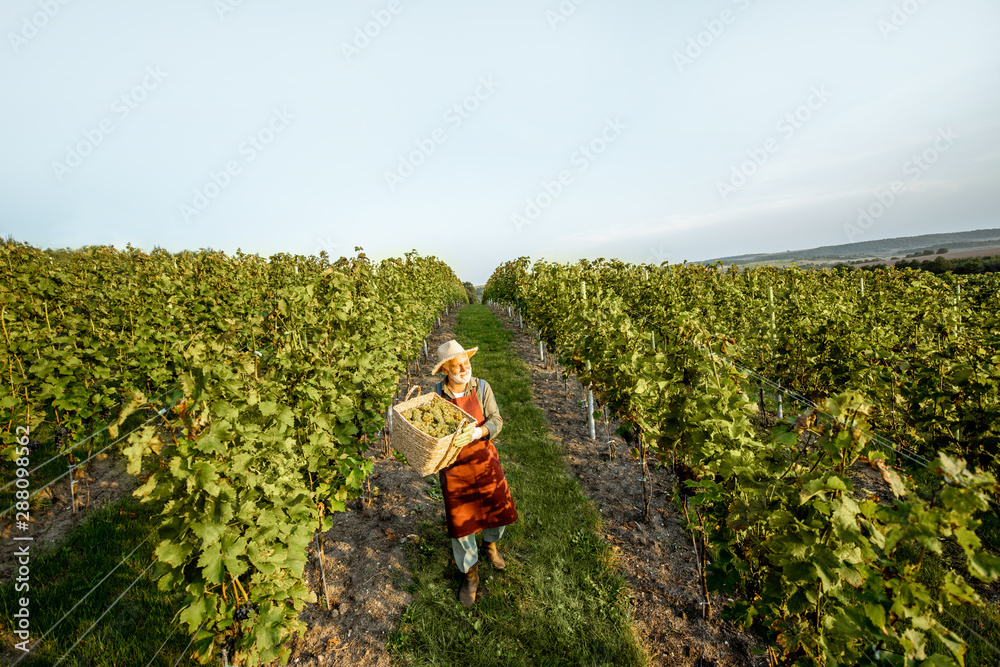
{"points": [[461, 379]]}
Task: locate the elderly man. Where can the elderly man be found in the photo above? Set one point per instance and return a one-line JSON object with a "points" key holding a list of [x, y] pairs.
{"points": [[475, 491]]}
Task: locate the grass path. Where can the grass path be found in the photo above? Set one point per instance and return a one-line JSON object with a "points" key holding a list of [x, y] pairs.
{"points": [[559, 601], [137, 628]]}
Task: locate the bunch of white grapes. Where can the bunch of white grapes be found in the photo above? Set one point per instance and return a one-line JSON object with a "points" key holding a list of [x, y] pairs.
{"points": [[435, 418]]}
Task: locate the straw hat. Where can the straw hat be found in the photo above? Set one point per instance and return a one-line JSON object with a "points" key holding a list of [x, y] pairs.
{"points": [[450, 350]]}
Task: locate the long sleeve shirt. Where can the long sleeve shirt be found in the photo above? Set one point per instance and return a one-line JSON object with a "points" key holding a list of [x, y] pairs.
{"points": [[487, 403]]}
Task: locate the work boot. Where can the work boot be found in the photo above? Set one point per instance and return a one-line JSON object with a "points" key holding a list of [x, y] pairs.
{"points": [[467, 596], [494, 554]]}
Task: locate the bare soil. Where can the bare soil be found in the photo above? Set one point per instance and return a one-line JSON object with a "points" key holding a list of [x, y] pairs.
{"points": [[98, 483], [365, 552], [656, 558], [367, 570]]}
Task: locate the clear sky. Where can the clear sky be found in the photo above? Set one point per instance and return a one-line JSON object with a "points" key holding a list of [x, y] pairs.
{"points": [[480, 132]]}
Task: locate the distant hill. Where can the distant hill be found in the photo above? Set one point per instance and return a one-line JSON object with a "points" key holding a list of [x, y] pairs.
{"points": [[879, 249]]}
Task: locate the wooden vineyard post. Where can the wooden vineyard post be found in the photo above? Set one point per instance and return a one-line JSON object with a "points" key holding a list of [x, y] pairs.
{"points": [[590, 409], [699, 556], [322, 572], [72, 485], [958, 312], [647, 487], [774, 345], [607, 429], [704, 564]]}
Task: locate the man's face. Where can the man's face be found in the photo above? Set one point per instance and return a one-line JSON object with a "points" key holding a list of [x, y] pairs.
{"points": [[460, 368]]}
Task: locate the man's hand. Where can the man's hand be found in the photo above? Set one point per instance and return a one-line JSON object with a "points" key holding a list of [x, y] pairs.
{"points": [[467, 435]]}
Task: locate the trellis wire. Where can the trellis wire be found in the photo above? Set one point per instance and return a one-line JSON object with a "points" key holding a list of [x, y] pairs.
{"points": [[85, 596], [69, 449], [163, 645], [94, 625], [92, 456]]}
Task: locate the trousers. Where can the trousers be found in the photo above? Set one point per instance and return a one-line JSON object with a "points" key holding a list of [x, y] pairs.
{"points": [[464, 548]]}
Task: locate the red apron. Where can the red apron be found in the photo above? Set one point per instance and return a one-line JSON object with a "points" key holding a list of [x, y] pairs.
{"points": [[474, 488]]}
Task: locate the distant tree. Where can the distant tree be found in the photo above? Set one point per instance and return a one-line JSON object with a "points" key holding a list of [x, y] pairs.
{"points": [[895, 258], [973, 265], [927, 252], [942, 251], [470, 289]]}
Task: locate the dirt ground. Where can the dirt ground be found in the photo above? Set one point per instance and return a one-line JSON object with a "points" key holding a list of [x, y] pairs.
{"points": [[365, 561], [367, 570], [656, 558], [98, 483]]}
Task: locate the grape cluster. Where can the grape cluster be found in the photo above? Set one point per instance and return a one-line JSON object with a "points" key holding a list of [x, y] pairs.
{"points": [[33, 444], [436, 418], [243, 613], [61, 435]]}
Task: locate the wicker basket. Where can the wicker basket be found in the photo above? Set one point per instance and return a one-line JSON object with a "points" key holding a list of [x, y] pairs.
{"points": [[425, 453]]}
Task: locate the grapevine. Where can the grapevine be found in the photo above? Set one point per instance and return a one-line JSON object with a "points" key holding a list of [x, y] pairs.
{"points": [[264, 380], [822, 574]]}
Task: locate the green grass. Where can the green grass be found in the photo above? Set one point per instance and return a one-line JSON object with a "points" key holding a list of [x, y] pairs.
{"points": [[558, 602], [133, 630], [977, 625]]}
